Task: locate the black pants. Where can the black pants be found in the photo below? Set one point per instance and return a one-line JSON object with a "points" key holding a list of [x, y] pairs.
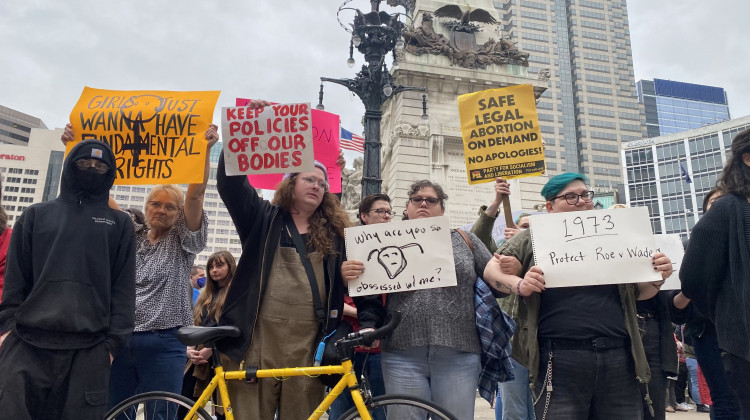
{"points": [[738, 375], [657, 387], [682, 383], [40, 384], [589, 384]]}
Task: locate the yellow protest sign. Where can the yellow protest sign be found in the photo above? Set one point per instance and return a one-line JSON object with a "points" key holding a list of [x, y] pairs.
{"points": [[158, 137], [501, 136]]}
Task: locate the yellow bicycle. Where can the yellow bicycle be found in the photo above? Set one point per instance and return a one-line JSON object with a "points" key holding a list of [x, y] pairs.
{"points": [[166, 406]]}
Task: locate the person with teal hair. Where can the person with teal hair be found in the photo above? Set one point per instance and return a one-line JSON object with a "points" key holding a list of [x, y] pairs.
{"points": [[583, 340]]}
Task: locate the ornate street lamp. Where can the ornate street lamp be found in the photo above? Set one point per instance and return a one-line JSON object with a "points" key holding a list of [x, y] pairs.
{"points": [[374, 34]]}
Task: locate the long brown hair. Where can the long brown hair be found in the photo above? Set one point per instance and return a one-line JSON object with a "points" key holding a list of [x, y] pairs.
{"points": [[211, 299], [735, 179], [329, 218]]}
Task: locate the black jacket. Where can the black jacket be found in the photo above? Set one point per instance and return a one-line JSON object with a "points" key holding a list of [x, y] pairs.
{"points": [[70, 276], [714, 273], [259, 225]]}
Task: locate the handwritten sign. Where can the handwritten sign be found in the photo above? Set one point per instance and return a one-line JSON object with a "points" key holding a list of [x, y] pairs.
{"points": [[325, 132], [584, 248], [274, 139], [500, 132], [402, 256], [158, 137], [671, 245]]}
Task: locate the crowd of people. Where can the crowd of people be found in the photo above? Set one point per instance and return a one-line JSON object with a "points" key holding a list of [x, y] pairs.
{"points": [[93, 297]]}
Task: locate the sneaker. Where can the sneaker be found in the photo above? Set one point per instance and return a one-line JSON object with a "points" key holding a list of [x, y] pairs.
{"points": [[703, 408], [669, 409], [682, 407]]}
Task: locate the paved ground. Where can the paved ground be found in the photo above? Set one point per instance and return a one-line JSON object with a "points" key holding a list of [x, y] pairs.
{"points": [[484, 412]]}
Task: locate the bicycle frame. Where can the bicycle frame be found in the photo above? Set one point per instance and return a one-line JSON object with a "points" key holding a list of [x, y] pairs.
{"points": [[349, 380]]}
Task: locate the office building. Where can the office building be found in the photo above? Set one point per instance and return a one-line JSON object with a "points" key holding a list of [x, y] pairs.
{"points": [[15, 126], [672, 107], [590, 107], [671, 174], [31, 174], [31, 171]]}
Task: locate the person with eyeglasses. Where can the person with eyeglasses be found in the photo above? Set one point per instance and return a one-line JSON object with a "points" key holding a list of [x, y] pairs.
{"points": [[581, 345], [69, 293], [434, 353], [176, 230], [375, 208], [270, 299]]}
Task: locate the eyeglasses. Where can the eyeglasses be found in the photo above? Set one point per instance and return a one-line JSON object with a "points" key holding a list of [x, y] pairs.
{"points": [[383, 212], [311, 180], [572, 198], [156, 205], [100, 167], [431, 201]]}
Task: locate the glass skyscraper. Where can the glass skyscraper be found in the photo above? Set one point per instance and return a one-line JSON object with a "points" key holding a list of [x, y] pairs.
{"points": [[590, 107], [672, 107]]}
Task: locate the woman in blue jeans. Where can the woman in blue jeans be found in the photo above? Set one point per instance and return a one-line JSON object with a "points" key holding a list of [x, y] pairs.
{"points": [[434, 353]]}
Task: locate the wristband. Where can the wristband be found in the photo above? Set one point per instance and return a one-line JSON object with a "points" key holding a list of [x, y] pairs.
{"points": [[518, 287]]}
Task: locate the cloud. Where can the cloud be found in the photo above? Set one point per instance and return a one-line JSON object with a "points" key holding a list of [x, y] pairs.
{"points": [[279, 50]]}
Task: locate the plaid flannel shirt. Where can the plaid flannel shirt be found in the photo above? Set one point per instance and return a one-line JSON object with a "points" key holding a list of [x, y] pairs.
{"points": [[495, 329]]}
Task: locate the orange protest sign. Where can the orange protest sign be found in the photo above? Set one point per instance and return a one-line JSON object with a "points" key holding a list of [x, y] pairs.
{"points": [[501, 136], [157, 136]]}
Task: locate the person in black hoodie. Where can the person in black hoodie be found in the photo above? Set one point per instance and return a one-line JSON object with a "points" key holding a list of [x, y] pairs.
{"points": [[69, 295]]}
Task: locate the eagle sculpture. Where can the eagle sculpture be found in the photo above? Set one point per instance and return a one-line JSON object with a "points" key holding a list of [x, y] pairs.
{"points": [[475, 15]]}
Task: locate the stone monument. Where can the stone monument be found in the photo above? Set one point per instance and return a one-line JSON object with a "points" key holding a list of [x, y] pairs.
{"points": [[450, 52]]}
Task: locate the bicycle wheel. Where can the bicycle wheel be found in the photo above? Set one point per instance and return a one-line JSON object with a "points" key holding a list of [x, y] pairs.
{"points": [[401, 407], [156, 405]]}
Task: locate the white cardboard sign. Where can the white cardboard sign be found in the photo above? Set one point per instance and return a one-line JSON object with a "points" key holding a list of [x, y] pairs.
{"points": [[671, 245], [583, 248], [401, 256], [271, 140]]}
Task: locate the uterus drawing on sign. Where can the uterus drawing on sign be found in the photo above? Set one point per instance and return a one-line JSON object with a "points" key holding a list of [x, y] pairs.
{"points": [[392, 258], [148, 107]]}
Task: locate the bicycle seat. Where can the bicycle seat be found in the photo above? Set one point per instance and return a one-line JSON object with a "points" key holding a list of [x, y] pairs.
{"points": [[192, 336]]}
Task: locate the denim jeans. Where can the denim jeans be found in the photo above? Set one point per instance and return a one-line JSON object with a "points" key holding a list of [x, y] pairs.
{"points": [[725, 404], [374, 375], [447, 377], [692, 367], [152, 361], [657, 387], [589, 384], [518, 404]]}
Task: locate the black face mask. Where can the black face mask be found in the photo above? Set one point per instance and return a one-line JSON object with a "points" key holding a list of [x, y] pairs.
{"points": [[91, 181]]}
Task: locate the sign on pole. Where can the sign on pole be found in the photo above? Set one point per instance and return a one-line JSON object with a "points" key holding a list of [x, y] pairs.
{"points": [[274, 139], [325, 132], [158, 137], [401, 256], [500, 131], [584, 248]]}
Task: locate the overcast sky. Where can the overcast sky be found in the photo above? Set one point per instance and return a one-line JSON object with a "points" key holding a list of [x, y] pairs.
{"points": [[278, 50]]}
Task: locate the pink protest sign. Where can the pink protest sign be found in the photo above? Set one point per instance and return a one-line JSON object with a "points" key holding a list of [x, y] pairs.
{"points": [[325, 132]]}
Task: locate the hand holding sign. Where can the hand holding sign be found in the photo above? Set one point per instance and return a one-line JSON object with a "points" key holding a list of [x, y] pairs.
{"points": [[272, 139], [595, 247], [156, 136]]}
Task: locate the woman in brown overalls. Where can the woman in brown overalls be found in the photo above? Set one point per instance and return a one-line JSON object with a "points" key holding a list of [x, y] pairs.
{"points": [[270, 299]]}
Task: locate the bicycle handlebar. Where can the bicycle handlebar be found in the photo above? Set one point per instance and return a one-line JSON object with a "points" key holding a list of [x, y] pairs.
{"points": [[360, 338]]}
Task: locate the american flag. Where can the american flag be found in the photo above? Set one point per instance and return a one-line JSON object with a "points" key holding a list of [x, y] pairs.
{"points": [[351, 141]]}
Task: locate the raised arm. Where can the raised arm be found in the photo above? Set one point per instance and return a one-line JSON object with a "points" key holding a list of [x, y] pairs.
{"points": [[196, 192], [483, 226]]}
